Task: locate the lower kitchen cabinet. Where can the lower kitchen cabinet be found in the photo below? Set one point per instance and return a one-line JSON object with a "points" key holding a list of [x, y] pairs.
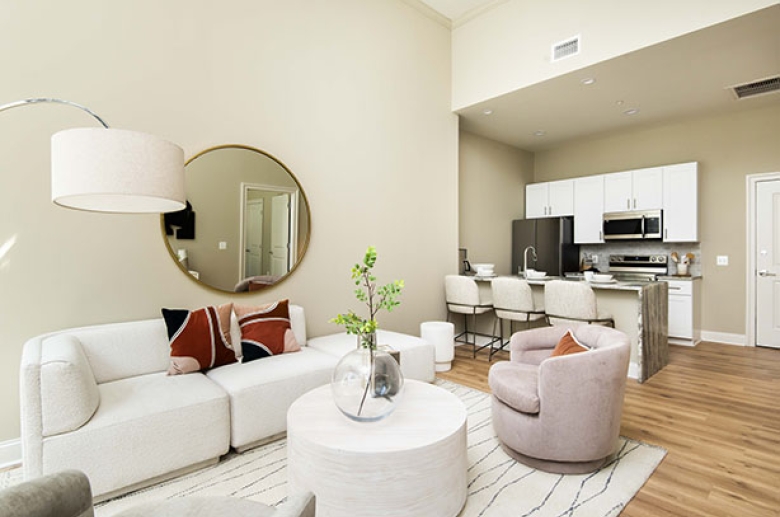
{"points": [[684, 311]]}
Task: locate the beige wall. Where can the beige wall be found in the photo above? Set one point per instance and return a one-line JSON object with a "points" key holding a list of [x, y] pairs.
{"points": [[727, 147], [508, 47], [340, 91], [492, 194]]}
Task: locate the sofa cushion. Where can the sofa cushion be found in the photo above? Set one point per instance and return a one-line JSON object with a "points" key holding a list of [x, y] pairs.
{"points": [[265, 330], [568, 344], [199, 339], [69, 393], [145, 427], [516, 385], [418, 357], [262, 391]]}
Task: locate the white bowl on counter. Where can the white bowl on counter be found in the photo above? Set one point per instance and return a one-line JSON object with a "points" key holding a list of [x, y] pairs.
{"points": [[532, 273], [484, 269], [601, 278]]}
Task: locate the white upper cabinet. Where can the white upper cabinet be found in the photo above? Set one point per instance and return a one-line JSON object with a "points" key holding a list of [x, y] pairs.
{"points": [[641, 189], [588, 209], [551, 199], [680, 202]]}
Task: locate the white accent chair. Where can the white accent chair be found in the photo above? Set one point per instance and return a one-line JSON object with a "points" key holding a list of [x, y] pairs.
{"points": [[464, 297], [568, 302], [513, 300]]}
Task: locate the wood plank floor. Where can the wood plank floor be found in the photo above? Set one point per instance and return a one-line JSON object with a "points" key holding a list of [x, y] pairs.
{"points": [[715, 409]]}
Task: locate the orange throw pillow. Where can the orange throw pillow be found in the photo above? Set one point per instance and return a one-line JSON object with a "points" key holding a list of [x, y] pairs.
{"points": [[568, 345], [265, 330], [199, 339]]}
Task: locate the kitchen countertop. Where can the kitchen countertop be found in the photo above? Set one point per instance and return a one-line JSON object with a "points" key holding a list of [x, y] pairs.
{"points": [[688, 278]]}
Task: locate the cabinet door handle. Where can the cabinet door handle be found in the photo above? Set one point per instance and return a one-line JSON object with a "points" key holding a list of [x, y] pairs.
{"points": [[675, 288], [666, 233], [764, 272], [628, 204], [634, 202], [601, 236]]}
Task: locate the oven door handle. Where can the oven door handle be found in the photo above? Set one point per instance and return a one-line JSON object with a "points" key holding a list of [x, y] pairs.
{"points": [[642, 231]]}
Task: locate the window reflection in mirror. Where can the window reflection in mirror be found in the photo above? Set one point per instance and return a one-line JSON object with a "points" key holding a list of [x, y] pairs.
{"points": [[247, 222]]}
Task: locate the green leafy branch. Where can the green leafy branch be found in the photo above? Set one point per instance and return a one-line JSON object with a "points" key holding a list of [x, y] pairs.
{"points": [[375, 298]]}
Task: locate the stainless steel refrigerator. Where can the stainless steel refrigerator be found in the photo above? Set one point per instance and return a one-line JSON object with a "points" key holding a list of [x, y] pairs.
{"points": [[553, 239]]}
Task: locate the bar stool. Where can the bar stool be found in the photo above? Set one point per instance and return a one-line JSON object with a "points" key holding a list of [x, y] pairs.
{"points": [[463, 297], [513, 300], [567, 301]]}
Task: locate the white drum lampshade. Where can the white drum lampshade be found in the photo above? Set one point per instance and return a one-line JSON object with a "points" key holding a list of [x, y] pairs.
{"points": [[115, 170], [441, 335]]}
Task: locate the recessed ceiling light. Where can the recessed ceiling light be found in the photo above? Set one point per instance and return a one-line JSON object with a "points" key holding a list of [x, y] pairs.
{"points": [[487, 112], [588, 81], [619, 103], [632, 111], [540, 132]]}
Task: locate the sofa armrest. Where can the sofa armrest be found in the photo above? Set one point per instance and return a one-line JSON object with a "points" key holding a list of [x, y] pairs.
{"points": [[536, 345], [69, 392]]}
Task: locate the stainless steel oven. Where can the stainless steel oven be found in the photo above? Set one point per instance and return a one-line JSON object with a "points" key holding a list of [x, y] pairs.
{"points": [[645, 224]]}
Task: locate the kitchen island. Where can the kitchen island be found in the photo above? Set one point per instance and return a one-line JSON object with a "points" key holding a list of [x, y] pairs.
{"points": [[640, 309]]}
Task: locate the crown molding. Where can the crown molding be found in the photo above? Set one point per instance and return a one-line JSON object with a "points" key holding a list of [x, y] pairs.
{"points": [[477, 11], [429, 12]]}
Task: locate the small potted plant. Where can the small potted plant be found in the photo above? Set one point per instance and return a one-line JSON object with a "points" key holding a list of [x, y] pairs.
{"points": [[367, 382]]}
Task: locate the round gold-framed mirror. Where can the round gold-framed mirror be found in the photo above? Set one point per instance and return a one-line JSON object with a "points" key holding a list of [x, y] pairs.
{"points": [[247, 223]]}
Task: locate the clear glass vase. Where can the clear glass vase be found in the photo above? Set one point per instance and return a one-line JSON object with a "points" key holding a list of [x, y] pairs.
{"points": [[367, 384]]}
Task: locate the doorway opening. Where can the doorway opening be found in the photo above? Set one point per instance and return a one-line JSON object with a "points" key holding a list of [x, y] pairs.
{"points": [[763, 264], [269, 230]]}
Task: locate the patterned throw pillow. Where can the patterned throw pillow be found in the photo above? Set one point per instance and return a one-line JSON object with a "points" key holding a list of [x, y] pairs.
{"points": [[265, 330], [569, 345], [199, 339]]}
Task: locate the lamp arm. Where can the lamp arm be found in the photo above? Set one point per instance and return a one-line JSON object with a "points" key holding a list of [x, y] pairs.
{"points": [[37, 100]]}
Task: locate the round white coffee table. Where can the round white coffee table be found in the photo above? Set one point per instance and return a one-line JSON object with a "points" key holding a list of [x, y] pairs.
{"points": [[412, 463]]}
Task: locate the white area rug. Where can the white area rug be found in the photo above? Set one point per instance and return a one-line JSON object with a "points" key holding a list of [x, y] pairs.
{"points": [[498, 486]]}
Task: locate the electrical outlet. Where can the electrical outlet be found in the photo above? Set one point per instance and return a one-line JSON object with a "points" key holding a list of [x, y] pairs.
{"points": [[222, 245], [594, 258], [723, 260]]}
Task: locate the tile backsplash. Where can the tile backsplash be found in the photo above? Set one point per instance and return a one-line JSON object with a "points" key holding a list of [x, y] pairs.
{"points": [[603, 251]]}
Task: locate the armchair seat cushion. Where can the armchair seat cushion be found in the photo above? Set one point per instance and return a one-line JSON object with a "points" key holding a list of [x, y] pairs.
{"points": [[516, 385]]}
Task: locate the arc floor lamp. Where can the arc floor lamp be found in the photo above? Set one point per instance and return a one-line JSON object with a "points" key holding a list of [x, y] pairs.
{"points": [[103, 169]]}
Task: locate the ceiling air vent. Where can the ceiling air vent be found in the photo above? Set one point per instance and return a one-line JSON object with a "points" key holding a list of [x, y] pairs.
{"points": [[567, 48], [743, 91]]}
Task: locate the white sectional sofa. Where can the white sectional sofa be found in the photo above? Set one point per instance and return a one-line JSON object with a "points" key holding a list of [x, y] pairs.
{"points": [[98, 399]]}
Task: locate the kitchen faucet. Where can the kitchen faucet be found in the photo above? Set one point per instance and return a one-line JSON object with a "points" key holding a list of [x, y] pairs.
{"points": [[525, 259]]}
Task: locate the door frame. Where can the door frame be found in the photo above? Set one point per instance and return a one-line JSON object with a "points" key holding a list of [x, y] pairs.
{"points": [[294, 200], [751, 183]]}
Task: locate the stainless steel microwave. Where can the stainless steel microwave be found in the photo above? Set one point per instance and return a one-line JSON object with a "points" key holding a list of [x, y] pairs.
{"points": [[645, 224]]}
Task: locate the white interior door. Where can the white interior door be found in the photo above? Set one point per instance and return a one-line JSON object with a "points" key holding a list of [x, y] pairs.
{"points": [[253, 238], [768, 263], [280, 234]]}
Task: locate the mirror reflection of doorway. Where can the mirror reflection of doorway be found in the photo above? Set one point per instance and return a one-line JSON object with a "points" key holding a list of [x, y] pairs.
{"points": [[269, 235], [253, 237]]}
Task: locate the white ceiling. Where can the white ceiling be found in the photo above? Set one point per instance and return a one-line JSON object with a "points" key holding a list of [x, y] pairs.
{"points": [[676, 79]]}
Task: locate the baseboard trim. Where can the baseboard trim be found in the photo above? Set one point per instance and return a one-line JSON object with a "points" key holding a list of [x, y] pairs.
{"points": [[10, 453], [724, 337]]}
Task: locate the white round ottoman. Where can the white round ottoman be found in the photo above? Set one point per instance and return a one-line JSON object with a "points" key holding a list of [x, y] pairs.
{"points": [[442, 336]]}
